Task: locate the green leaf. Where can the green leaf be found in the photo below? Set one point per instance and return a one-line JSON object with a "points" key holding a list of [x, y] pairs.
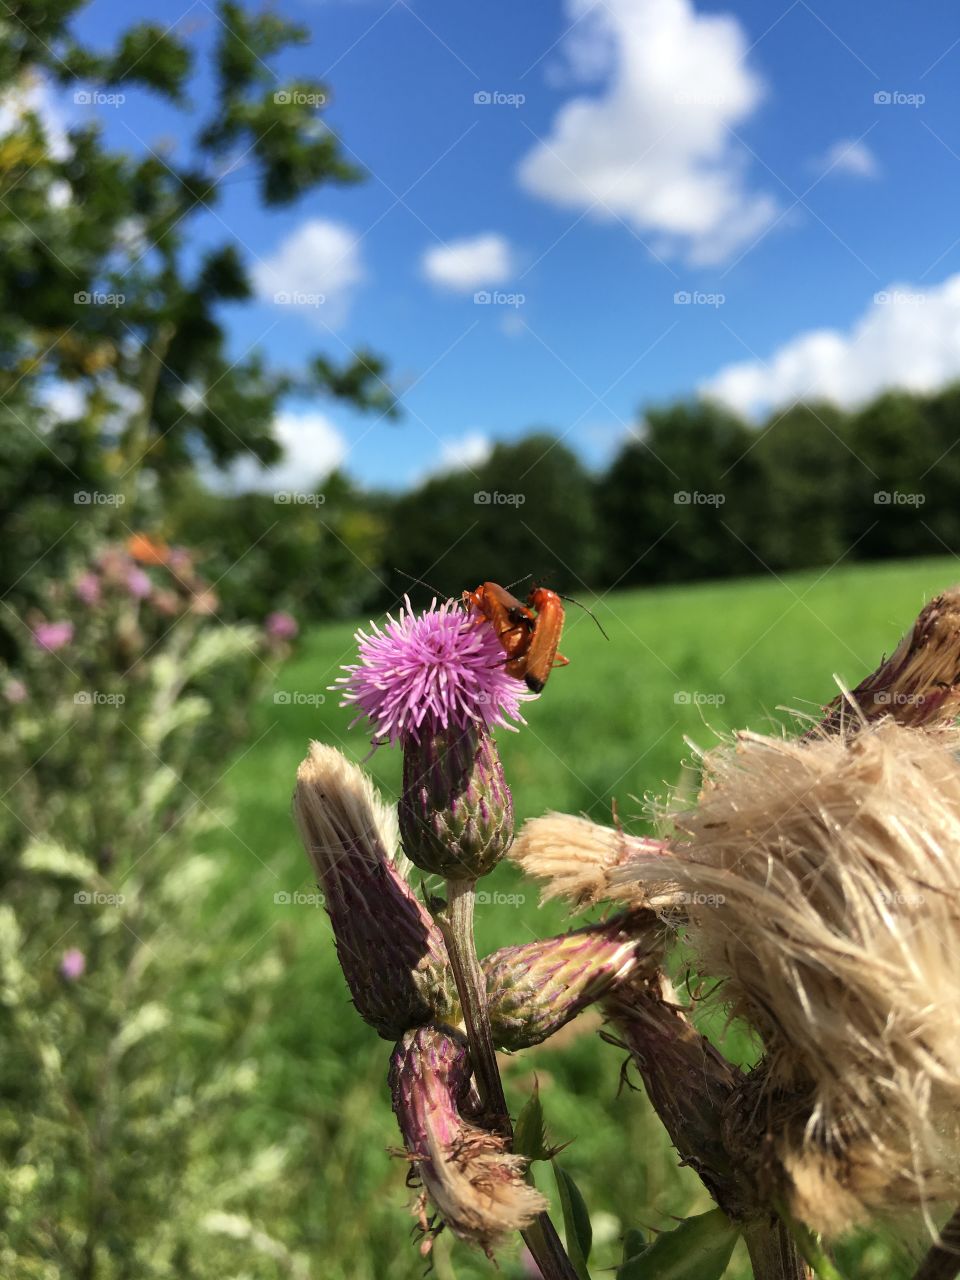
{"points": [[576, 1221], [698, 1249], [529, 1136]]}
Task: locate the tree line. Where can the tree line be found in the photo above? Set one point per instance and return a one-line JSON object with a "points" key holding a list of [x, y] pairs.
{"points": [[695, 493]]}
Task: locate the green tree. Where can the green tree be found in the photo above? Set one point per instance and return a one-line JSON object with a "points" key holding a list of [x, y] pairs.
{"points": [[678, 501], [154, 386], [526, 513]]}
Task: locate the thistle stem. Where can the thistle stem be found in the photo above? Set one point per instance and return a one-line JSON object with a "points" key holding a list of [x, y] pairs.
{"points": [[810, 1249], [541, 1237], [943, 1260]]}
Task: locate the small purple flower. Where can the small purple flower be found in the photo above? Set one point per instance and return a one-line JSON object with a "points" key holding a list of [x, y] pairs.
{"points": [[52, 635], [281, 626], [73, 964], [429, 671], [139, 584], [87, 588], [15, 691]]}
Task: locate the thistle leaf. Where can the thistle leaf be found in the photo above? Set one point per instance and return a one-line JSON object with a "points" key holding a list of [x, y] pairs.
{"points": [[576, 1221], [698, 1249]]}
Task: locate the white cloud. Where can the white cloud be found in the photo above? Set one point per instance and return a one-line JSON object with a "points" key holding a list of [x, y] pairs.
{"points": [[35, 96], [463, 453], [850, 156], [315, 269], [655, 147], [466, 264], [907, 337], [312, 448]]}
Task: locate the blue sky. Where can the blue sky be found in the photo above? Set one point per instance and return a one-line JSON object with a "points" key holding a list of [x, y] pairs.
{"points": [[634, 150]]}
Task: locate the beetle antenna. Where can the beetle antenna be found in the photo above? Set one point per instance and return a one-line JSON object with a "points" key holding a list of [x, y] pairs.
{"points": [[420, 582], [571, 600]]}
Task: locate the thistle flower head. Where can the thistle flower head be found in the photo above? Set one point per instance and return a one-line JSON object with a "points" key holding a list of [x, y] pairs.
{"points": [[390, 949], [427, 671], [476, 1185], [456, 810], [822, 885], [918, 684], [52, 636]]}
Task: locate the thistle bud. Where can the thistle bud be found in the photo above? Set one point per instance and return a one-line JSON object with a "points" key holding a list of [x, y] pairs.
{"points": [[389, 947], [578, 859], [535, 989], [475, 1183], [456, 810]]}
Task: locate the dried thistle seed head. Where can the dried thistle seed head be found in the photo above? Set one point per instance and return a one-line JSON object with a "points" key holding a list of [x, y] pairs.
{"points": [[456, 810], [823, 884], [476, 1185], [577, 859], [536, 988], [390, 949], [919, 683]]}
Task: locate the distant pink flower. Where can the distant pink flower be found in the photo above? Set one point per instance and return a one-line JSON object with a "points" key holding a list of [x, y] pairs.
{"points": [[281, 626], [166, 602], [87, 588], [429, 671], [204, 601], [138, 584], [180, 560], [15, 691], [52, 635], [73, 964]]}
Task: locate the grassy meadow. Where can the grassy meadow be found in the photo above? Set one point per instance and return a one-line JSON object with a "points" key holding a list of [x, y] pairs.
{"points": [[682, 664]]}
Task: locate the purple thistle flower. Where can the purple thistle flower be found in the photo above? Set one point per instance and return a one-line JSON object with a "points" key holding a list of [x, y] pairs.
{"points": [[52, 635], [430, 671], [280, 626], [139, 584], [73, 964], [87, 588], [15, 691]]}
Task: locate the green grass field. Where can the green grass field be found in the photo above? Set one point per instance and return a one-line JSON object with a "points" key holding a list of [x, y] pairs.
{"points": [[681, 664]]}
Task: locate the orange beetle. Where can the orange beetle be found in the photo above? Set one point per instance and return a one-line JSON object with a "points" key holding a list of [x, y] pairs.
{"points": [[528, 633], [541, 655]]}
